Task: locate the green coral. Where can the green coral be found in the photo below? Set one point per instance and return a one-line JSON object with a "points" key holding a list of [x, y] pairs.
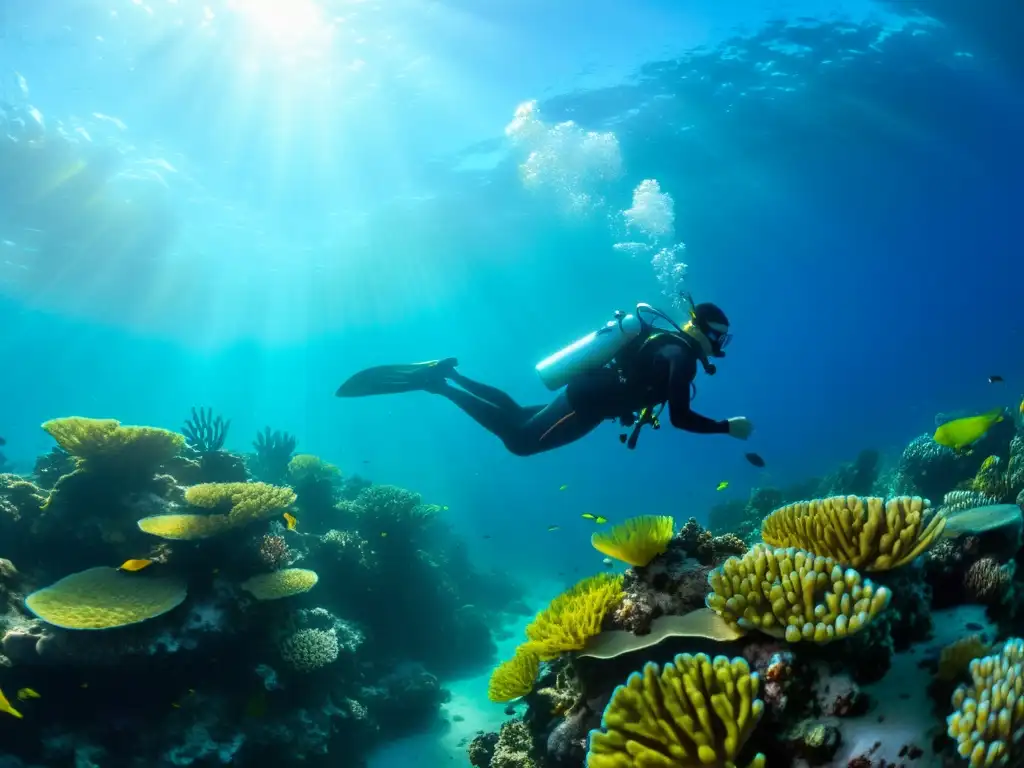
{"points": [[309, 649], [307, 468], [694, 712], [242, 502], [105, 598], [390, 510], [988, 715], [793, 594]]}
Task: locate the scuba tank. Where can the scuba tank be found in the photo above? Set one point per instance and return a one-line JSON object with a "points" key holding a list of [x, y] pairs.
{"points": [[598, 348]]}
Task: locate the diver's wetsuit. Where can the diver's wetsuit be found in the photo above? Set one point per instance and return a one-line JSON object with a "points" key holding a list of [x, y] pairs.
{"points": [[662, 372]]}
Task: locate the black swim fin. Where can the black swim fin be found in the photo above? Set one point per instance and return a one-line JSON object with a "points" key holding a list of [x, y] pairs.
{"points": [[392, 379]]}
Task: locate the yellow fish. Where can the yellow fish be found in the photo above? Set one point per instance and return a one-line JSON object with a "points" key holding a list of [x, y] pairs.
{"points": [[28, 693], [960, 433], [562, 488], [1021, 407], [135, 565], [5, 706], [290, 521], [722, 485], [596, 518]]}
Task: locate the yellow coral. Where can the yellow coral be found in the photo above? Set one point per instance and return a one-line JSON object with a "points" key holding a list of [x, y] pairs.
{"points": [[243, 502], [185, 527], [868, 533], [104, 444], [637, 540], [957, 656], [104, 598], [284, 583], [791, 593], [574, 616], [514, 678], [988, 715], [695, 712], [305, 467]]}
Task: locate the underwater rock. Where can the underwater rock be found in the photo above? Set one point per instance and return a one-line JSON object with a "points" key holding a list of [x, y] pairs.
{"points": [[481, 749], [515, 747]]}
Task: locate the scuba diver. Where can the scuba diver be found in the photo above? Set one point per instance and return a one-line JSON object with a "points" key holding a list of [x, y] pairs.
{"points": [[626, 371]]}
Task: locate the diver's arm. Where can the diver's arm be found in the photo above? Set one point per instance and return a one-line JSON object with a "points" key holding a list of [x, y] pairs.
{"points": [[681, 373]]}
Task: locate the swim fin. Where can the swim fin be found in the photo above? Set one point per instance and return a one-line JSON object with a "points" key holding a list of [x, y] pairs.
{"points": [[392, 379]]}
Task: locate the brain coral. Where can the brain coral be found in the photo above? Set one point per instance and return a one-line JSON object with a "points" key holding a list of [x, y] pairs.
{"points": [[310, 649], [285, 583], [104, 598]]}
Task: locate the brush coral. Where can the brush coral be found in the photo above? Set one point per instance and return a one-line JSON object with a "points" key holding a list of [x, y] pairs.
{"points": [[574, 616], [637, 540]]}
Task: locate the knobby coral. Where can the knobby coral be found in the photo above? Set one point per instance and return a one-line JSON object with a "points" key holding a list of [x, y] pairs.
{"points": [[869, 533], [988, 715], [637, 540], [793, 594], [697, 711]]}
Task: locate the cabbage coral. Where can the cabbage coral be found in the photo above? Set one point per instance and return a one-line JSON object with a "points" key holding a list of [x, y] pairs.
{"points": [[637, 540]]}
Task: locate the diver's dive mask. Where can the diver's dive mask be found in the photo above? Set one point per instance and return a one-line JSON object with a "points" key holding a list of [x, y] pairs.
{"points": [[719, 336]]}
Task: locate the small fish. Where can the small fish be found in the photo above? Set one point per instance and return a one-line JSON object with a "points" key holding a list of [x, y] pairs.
{"points": [[5, 706], [135, 565], [994, 379], [27, 693], [608, 562], [176, 705], [215, 571], [84, 685], [563, 487], [596, 518], [366, 461], [444, 508], [960, 433], [553, 527], [2, 441], [754, 459], [1020, 408], [383, 534], [290, 521], [486, 536], [510, 710], [722, 485]]}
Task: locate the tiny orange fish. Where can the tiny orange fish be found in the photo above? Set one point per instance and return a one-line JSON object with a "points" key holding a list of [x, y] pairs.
{"points": [[135, 565], [290, 521]]}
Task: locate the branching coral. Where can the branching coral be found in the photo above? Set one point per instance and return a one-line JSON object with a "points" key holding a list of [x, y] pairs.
{"points": [[695, 712], [637, 540], [791, 593], [238, 505], [392, 510], [104, 445], [868, 533], [574, 616], [204, 433], [988, 714], [274, 450], [514, 678]]}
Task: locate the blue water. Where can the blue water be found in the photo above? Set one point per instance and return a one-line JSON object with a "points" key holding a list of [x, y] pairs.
{"points": [[337, 191]]}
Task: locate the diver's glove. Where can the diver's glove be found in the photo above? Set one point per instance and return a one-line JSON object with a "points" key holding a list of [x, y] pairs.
{"points": [[740, 427]]}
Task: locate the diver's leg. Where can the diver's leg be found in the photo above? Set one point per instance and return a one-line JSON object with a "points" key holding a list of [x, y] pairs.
{"points": [[548, 427], [500, 420], [484, 391]]}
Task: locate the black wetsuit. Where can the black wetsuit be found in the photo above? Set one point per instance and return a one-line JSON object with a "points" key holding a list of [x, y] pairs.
{"points": [[660, 370]]}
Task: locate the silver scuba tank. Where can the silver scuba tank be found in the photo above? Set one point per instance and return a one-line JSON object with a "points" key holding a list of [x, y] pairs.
{"points": [[593, 351]]}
